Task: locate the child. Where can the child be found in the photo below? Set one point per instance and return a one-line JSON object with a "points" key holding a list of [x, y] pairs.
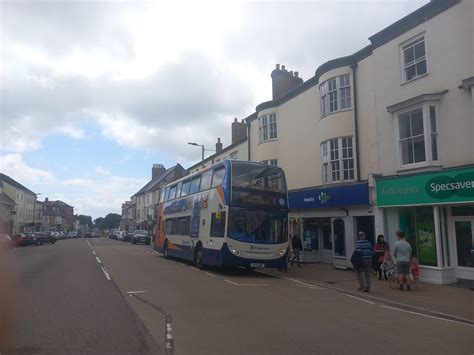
{"points": [[388, 268], [415, 269]]}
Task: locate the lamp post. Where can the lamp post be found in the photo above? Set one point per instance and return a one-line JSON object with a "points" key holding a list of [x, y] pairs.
{"points": [[34, 210], [199, 145]]}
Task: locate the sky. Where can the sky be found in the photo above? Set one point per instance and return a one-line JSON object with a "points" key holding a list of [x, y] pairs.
{"points": [[93, 93]]}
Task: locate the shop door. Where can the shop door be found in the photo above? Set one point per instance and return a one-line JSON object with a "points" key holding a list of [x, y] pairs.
{"points": [[464, 230], [326, 237]]}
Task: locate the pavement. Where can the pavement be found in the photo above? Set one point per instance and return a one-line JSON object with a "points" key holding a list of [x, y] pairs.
{"points": [[102, 296], [455, 303]]}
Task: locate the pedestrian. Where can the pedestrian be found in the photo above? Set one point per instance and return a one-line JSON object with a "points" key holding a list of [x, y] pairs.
{"points": [[379, 249], [364, 248], [402, 253], [388, 267], [297, 247], [415, 269]]}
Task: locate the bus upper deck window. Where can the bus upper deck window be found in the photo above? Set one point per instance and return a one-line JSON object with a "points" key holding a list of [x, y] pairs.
{"points": [[172, 192], [218, 177], [206, 180], [185, 188], [195, 182]]}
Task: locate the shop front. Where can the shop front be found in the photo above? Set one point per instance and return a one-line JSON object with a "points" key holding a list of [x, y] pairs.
{"points": [[327, 220], [436, 212]]}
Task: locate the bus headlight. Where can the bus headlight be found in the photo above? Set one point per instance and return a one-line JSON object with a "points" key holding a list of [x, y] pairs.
{"points": [[233, 250], [281, 253]]}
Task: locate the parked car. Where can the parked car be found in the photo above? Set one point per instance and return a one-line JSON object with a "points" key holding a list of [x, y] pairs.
{"points": [[18, 239], [44, 238], [6, 241], [30, 239], [127, 237], [141, 237]]}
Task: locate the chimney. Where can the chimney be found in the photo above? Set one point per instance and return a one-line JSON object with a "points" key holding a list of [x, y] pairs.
{"points": [[46, 199], [218, 146], [157, 171], [284, 81], [239, 130]]}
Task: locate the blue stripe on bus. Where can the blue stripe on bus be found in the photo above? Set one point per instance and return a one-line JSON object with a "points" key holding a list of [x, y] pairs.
{"points": [[224, 258]]}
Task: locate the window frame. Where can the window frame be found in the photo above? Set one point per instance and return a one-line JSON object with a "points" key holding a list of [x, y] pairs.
{"points": [[267, 127], [333, 155], [427, 135], [325, 94], [408, 44]]}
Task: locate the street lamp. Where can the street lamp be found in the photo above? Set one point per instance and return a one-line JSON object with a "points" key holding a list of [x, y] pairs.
{"points": [[34, 210], [199, 145]]}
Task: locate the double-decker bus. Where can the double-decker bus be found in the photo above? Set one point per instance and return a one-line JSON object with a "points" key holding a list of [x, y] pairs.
{"points": [[233, 214]]}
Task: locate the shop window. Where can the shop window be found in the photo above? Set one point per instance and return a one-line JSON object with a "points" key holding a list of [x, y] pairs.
{"points": [[310, 240], [464, 243], [339, 237], [418, 225], [462, 211]]}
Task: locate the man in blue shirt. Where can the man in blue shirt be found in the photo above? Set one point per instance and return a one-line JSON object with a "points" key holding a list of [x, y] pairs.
{"points": [[364, 247]]}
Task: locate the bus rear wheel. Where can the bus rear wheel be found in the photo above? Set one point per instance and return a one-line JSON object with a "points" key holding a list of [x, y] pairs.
{"points": [[198, 256]]}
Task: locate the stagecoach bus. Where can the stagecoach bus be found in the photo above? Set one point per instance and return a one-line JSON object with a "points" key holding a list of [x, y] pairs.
{"points": [[234, 214]]}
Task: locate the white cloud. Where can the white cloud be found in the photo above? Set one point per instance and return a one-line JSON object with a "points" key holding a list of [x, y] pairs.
{"points": [[101, 170], [14, 166]]}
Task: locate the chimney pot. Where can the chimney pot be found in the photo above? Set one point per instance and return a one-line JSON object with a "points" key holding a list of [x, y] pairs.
{"points": [[278, 67], [291, 72], [283, 68], [235, 119], [296, 74]]}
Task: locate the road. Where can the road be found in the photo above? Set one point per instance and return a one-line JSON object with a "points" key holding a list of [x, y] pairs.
{"points": [[72, 307]]}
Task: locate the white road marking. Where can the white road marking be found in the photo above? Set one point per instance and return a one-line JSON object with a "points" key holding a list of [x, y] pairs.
{"points": [[237, 284], [427, 316], [93, 251], [90, 246], [106, 273], [98, 260], [209, 274], [357, 298], [301, 283], [135, 292], [194, 268]]}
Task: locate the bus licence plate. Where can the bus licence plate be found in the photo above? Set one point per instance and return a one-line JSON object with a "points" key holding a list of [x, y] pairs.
{"points": [[257, 265]]}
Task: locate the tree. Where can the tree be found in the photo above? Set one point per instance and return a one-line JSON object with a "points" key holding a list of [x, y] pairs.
{"points": [[84, 220], [111, 221]]}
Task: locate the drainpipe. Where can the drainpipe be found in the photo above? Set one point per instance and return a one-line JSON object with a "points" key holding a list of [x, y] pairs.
{"points": [[356, 119]]}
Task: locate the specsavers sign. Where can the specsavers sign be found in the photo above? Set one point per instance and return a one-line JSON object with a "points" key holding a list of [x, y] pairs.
{"points": [[456, 185]]}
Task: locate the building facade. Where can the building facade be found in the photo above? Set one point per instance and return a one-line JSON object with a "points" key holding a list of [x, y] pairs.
{"points": [[57, 216], [24, 210]]}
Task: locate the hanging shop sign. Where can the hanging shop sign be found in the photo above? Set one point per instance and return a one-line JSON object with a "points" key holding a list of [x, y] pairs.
{"points": [[455, 185]]}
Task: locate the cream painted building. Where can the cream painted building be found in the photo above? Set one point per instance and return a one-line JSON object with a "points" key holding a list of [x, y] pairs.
{"points": [[402, 106], [425, 128], [23, 217]]}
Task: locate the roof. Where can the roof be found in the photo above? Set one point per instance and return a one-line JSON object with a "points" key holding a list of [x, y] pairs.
{"points": [[152, 184], [10, 181], [229, 147], [417, 17], [4, 199], [56, 203]]}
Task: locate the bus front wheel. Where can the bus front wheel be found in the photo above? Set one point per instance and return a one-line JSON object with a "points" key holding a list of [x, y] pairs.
{"points": [[198, 257]]}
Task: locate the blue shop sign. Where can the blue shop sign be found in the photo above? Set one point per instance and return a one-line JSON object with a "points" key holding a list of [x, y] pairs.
{"points": [[330, 197]]}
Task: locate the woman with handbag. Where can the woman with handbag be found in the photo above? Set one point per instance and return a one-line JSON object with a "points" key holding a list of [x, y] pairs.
{"points": [[379, 250]]}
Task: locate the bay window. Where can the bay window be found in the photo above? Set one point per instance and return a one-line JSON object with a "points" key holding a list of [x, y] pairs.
{"points": [[335, 95], [267, 127], [337, 160]]}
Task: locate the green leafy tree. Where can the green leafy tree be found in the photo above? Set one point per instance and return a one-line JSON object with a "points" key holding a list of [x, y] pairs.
{"points": [[111, 221], [84, 220]]}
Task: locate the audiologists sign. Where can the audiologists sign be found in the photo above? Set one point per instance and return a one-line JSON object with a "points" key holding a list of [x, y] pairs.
{"points": [[455, 185]]}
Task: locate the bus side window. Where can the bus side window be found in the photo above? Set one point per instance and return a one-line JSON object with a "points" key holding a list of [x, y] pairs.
{"points": [[178, 189], [218, 225], [167, 193], [172, 192], [185, 188], [206, 180], [196, 181], [218, 177]]}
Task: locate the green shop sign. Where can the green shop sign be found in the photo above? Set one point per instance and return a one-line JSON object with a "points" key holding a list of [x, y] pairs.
{"points": [[456, 185]]}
